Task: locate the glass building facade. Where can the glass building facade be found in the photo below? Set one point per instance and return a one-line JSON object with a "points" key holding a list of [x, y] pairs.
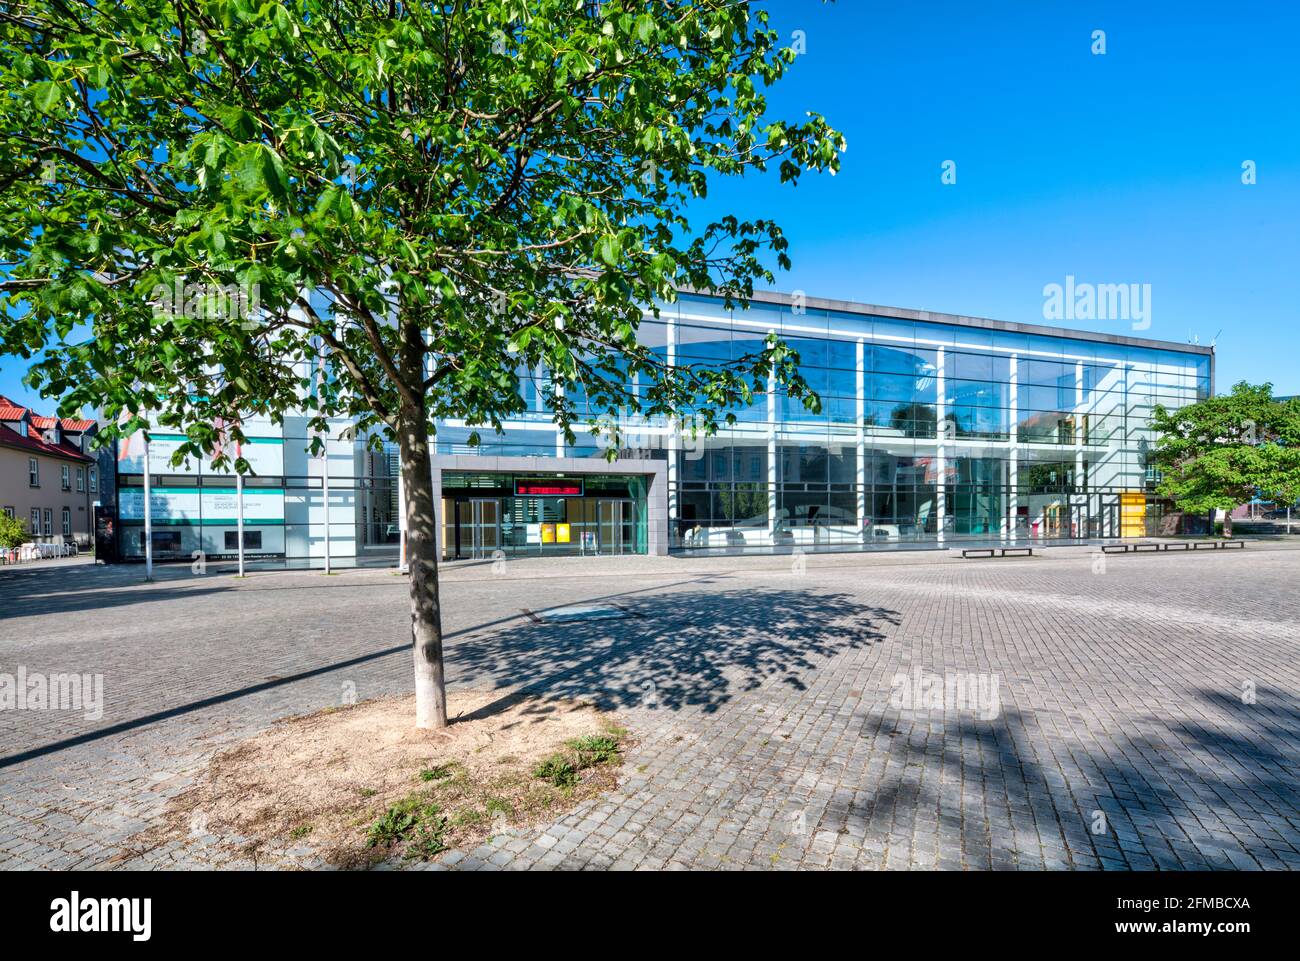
{"points": [[933, 430]]}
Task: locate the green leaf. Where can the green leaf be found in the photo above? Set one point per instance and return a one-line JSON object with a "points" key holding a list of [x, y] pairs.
{"points": [[608, 249], [46, 96]]}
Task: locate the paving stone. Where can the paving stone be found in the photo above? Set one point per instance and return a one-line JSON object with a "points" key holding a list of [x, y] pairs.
{"points": [[776, 740]]}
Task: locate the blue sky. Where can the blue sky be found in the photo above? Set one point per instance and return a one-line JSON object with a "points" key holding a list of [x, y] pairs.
{"points": [[1119, 168]]}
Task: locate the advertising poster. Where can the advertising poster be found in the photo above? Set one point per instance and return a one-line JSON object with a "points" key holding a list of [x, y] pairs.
{"points": [[262, 506], [167, 505], [265, 456]]}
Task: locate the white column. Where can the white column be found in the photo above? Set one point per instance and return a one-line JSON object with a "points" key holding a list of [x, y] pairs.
{"points": [[860, 413], [239, 518], [674, 434], [325, 497], [1079, 415], [1013, 461], [148, 516], [401, 519], [771, 458], [941, 447], [558, 391]]}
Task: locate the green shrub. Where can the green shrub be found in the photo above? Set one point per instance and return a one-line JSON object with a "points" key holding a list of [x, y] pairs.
{"points": [[13, 532]]}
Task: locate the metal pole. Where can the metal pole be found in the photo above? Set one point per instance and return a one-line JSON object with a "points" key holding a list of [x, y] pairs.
{"points": [[239, 518], [148, 517]]}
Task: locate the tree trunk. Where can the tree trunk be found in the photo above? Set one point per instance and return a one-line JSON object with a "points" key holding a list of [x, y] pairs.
{"points": [[1227, 522], [422, 558]]}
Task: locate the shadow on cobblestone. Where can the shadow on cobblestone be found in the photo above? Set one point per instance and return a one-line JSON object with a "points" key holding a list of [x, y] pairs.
{"points": [[1217, 793], [691, 648]]}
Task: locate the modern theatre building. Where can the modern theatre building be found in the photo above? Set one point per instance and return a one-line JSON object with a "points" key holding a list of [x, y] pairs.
{"points": [[934, 429]]}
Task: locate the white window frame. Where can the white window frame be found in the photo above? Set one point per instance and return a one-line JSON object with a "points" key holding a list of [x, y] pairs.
{"points": [[65, 477], [49, 522], [94, 481], [33, 472], [34, 522], [81, 480], [67, 521]]}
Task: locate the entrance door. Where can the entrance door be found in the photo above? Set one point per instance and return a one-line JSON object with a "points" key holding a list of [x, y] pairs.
{"points": [[617, 526], [478, 527]]}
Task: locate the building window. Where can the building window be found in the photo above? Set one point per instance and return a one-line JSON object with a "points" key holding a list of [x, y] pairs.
{"points": [[65, 478], [35, 529], [252, 540], [67, 522], [49, 522], [9, 513], [33, 472], [164, 541], [94, 481], [81, 480]]}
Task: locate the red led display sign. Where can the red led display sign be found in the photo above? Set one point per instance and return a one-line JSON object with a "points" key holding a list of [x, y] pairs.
{"points": [[548, 487]]}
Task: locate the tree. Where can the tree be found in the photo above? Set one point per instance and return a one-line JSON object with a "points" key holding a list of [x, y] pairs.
{"points": [[386, 211], [13, 532], [1222, 451]]}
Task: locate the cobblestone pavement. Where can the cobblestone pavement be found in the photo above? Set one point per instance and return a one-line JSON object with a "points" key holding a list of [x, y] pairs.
{"points": [[1067, 711]]}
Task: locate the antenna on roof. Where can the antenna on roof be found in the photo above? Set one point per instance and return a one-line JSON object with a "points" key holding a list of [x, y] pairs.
{"points": [[1215, 340]]}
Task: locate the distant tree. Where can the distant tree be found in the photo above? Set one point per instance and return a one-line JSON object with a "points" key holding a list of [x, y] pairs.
{"points": [[1220, 452], [13, 532], [422, 201]]}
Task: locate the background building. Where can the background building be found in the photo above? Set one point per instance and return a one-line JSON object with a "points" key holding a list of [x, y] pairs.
{"points": [[49, 476], [193, 505], [934, 429]]}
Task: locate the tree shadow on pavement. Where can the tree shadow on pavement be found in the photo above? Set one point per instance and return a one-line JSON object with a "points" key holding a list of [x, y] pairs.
{"points": [[1212, 785], [675, 649]]}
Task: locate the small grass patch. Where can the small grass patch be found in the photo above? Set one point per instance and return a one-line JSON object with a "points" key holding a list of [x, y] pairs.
{"points": [[300, 832], [564, 769], [498, 806], [414, 813], [558, 770], [438, 772]]}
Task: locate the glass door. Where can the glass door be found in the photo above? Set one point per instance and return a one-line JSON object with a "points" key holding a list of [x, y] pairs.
{"points": [[617, 522], [478, 527]]}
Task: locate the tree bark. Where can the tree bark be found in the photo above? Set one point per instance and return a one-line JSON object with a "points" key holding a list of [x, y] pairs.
{"points": [[1227, 522], [422, 558]]}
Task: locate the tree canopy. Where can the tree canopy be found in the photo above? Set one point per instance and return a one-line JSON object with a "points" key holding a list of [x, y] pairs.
{"points": [[1222, 451], [434, 197]]}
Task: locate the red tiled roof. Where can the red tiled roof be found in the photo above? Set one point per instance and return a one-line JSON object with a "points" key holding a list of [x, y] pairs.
{"points": [[11, 438], [13, 411]]}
